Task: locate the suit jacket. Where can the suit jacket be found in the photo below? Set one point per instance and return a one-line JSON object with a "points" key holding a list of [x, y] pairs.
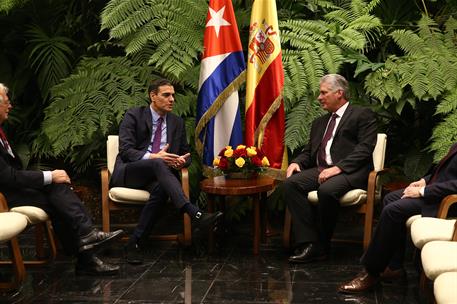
{"points": [[135, 133], [352, 146], [13, 179], [444, 183]]}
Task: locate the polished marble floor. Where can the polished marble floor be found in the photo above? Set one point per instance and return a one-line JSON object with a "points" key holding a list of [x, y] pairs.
{"points": [[230, 275]]}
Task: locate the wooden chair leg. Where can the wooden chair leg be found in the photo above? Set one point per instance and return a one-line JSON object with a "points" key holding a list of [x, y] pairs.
{"points": [[187, 234], [18, 266], [287, 229]]}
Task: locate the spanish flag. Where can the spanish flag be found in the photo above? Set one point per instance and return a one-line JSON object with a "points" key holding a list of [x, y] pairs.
{"points": [[264, 85]]}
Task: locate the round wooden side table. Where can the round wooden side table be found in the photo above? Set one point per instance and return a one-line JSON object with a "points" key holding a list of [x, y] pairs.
{"points": [[256, 188]]}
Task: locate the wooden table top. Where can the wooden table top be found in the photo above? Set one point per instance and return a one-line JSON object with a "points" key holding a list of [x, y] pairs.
{"points": [[226, 186]]}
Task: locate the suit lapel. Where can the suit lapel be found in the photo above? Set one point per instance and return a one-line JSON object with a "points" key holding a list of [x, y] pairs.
{"points": [[148, 121], [345, 118], [171, 127]]}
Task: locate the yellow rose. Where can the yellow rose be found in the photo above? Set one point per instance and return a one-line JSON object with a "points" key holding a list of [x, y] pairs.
{"points": [[240, 162], [228, 152], [253, 147], [251, 152], [265, 162], [228, 147], [241, 147], [216, 161]]}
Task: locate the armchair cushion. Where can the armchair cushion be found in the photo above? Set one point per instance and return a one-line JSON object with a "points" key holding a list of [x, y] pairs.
{"points": [[11, 224], [427, 229], [128, 195], [444, 288], [353, 197], [33, 214], [411, 220], [439, 257]]}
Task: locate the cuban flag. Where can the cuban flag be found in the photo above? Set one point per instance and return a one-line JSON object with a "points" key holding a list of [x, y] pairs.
{"points": [[222, 72]]}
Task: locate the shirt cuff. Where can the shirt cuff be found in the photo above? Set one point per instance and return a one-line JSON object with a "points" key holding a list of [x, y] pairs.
{"points": [[421, 191], [47, 177], [146, 155]]}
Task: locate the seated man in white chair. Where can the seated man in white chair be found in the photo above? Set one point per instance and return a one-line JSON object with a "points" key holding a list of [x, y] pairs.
{"points": [[337, 158], [52, 192], [384, 256], [152, 148]]}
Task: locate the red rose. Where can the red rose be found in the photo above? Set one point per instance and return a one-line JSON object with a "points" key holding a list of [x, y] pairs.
{"points": [[223, 164], [240, 153], [256, 161], [222, 152]]}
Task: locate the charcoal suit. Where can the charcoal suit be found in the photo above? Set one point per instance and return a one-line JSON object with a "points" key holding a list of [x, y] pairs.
{"points": [[351, 151], [26, 187]]}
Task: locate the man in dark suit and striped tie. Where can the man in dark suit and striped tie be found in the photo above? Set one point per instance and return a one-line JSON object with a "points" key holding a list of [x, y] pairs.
{"points": [[384, 256]]}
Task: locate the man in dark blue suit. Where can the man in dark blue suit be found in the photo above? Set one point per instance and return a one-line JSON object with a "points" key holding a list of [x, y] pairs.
{"points": [[52, 192], [337, 158], [384, 256], [152, 148]]}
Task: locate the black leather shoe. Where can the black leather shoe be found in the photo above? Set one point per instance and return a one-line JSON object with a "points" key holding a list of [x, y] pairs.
{"points": [[96, 238], [310, 253], [133, 254], [203, 220], [95, 266]]}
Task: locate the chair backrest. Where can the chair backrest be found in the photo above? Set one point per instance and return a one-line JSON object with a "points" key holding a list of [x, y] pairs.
{"points": [[112, 149], [379, 152]]}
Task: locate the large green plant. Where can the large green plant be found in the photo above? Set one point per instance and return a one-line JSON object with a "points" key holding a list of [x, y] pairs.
{"points": [[426, 73], [312, 48]]}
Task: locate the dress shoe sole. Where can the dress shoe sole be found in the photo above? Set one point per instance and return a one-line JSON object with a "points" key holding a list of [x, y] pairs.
{"points": [[356, 291], [309, 260], [101, 242]]}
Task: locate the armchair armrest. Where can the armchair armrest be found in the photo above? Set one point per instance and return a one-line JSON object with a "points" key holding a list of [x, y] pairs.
{"points": [[3, 203], [446, 203]]}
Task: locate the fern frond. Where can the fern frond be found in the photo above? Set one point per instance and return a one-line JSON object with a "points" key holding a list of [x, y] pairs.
{"points": [[409, 42], [331, 56], [352, 39], [444, 136], [448, 104]]}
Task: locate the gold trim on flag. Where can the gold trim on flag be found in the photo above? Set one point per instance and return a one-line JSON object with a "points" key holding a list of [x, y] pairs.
{"points": [[214, 108], [259, 131]]}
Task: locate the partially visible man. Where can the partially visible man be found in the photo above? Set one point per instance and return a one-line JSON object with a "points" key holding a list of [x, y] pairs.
{"points": [[384, 256], [337, 158], [152, 149], [51, 191]]}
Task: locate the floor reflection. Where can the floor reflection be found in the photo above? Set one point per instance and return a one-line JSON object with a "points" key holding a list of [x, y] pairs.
{"points": [[230, 275]]}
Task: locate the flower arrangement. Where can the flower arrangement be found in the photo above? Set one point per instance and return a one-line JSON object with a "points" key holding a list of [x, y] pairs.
{"points": [[242, 159]]}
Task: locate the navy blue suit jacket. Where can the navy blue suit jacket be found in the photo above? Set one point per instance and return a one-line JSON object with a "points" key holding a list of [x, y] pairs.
{"points": [[135, 133], [444, 183]]}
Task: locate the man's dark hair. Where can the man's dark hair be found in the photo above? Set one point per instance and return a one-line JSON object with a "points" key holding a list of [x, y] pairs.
{"points": [[155, 84]]}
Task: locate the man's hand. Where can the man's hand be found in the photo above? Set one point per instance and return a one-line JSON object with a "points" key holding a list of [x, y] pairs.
{"points": [[411, 192], [419, 183], [293, 167], [180, 161], [60, 177], [328, 173], [168, 158]]}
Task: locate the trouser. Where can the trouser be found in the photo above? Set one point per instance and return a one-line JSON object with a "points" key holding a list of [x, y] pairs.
{"points": [[387, 246], [69, 218], [156, 177], [314, 223]]}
